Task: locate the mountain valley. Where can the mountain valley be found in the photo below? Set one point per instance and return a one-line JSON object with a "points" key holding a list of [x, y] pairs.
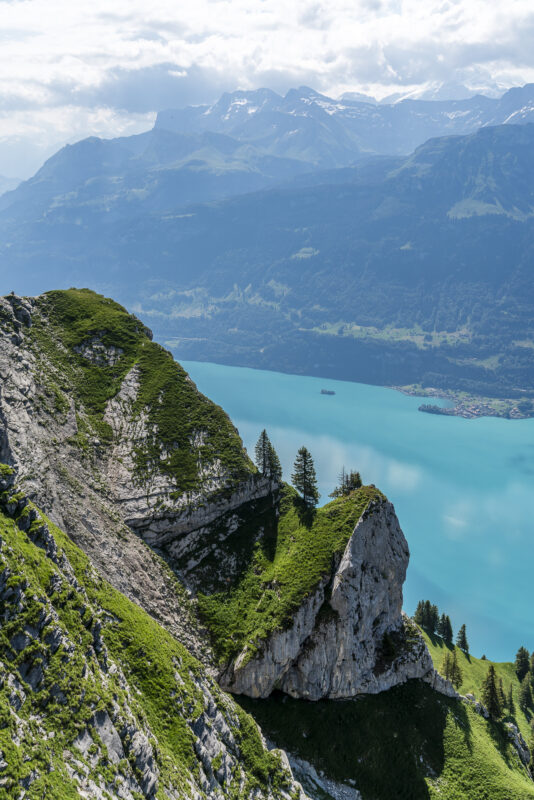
{"points": [[148, 568], [223, 239]]}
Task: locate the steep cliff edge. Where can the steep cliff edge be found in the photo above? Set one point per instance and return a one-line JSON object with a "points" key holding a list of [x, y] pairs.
{"points": [[318, 610], [349, 636], [96, 699], [115, 443], [110, 436]]}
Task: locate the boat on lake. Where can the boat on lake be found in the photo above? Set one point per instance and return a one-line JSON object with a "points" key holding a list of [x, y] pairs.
{"points": [[327, 391]]}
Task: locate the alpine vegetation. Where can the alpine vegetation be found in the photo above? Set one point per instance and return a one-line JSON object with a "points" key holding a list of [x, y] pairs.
{"points": [[173, 612]]}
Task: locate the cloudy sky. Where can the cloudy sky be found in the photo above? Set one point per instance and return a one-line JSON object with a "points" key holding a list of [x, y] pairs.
{"points": [[70, 69]]}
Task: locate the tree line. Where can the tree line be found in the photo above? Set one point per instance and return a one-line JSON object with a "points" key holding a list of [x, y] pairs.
{"points": [[428, 617], [495, 698], [524, 669], [303, 477]]}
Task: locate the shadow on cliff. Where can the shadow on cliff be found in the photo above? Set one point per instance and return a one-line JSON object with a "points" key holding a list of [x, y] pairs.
{"points": [[232, 544], [385, 744]]}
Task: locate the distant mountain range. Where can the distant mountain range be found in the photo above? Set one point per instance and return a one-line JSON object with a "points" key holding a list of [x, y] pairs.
{"points": [[8, 184], [244, 240], [310, 126]]}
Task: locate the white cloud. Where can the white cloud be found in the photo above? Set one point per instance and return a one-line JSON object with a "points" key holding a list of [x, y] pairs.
{"points": [[79, 57]]}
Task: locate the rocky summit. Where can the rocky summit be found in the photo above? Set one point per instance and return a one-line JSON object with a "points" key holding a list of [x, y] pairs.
{"points": [[336, 643], [156, 590]]}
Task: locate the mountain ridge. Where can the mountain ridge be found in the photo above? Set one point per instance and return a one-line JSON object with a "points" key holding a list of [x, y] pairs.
{"points": [[388, 129], [421, 261], [98, 700], [143, 712]]}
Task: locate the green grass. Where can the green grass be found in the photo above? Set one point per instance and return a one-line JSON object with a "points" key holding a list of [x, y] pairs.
{"points": [[474, 671], [162, 689], [284, 569], [176, 412], [409, 743]]}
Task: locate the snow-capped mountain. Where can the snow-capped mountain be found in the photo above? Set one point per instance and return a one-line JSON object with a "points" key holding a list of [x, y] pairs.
{"points": [[328, 132]]}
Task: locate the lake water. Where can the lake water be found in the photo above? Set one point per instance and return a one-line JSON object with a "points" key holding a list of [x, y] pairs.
{"points": [[463, 489]]}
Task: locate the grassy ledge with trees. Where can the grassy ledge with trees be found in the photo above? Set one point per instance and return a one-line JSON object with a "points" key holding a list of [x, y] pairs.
{"points": [[283, 571], [475, 672]]}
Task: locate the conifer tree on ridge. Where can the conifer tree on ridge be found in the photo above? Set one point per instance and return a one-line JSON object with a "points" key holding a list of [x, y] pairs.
{"points": [[490, 694], [525, 695], [266, 458], [522, 663], [304, 478], [461, 640]]}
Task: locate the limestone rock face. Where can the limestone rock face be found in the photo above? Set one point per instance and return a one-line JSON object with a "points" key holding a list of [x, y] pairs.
{"points": [[113, 752], [94, 494], [350, 636], [74, 491]]}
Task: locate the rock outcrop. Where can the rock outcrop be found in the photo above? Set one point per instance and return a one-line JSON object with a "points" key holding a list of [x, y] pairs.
{"points": [[76, 706], [349, 636], [91, 489]]}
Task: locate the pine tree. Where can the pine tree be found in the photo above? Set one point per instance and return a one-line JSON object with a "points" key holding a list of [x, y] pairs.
{"points": [[427, 613], [456, 672], [340, 489], [461, 640], [267, 459], [419, 615], [304, 478], [347, 483], [275, 468], [354, 480], [262, 452], [525, 695], [448, 634], [510, 700], [434, 619], [522, 663], [442, 626], [446, 666], [490, 694]]}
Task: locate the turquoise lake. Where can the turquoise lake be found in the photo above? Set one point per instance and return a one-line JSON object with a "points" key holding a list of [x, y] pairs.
{"points": [[463, 489]]}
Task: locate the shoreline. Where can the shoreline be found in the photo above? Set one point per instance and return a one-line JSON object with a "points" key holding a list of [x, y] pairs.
{"points": [[467, 406]]}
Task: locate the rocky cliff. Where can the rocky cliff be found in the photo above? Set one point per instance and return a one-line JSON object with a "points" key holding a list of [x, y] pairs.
{"points": [[349, 635], [114, 442], [110, 436], [98, 701], [118, 448]]}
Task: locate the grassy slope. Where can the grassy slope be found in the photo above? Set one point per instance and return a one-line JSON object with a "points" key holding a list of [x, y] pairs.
{"points": [[284, 569], [176, 410], [409, 743], [474, 671], [149, 657]]}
